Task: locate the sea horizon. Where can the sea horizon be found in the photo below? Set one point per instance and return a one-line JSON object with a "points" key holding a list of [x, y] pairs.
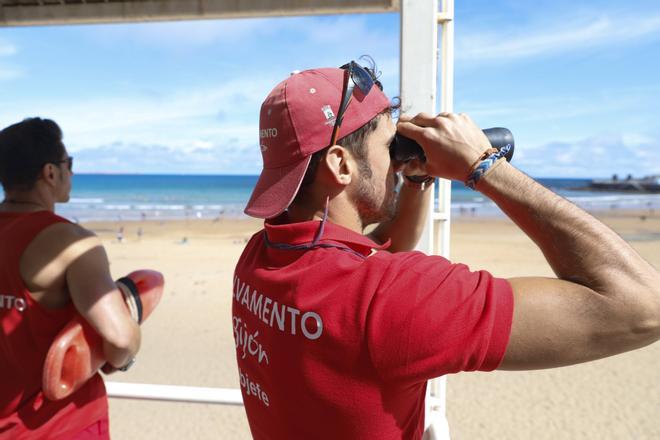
{"points": [[146, 196]]}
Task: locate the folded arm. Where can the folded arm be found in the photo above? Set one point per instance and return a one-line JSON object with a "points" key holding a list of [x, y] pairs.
{"points": [[97, 298]]}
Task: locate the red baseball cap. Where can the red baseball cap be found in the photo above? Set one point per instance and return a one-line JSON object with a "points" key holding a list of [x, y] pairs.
{"points": [[296, 121]]}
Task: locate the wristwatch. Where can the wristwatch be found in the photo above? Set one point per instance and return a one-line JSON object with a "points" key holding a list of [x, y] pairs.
{"points": [[128, 365], [419, 182]]}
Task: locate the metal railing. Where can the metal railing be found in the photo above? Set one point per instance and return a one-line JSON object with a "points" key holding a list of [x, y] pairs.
{"points": [[174, 393]]}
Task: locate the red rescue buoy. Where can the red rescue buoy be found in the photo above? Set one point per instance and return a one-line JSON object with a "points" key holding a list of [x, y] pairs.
{"points": [[76, 354]]}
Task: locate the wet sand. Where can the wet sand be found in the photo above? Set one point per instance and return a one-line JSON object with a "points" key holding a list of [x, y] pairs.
{"points": [[188, 340]]}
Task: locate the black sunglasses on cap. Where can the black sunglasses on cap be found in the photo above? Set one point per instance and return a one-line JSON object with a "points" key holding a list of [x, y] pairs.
{"points": [[354, 76]]}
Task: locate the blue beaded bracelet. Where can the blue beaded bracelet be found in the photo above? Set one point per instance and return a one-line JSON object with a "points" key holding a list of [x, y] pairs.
{"points": [[484, 165]]}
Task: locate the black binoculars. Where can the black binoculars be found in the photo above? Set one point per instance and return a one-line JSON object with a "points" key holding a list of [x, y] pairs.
{"points": [[405, 149]]}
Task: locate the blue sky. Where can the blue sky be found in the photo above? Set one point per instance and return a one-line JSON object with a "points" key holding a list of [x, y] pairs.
{"points": [[578, 83]]}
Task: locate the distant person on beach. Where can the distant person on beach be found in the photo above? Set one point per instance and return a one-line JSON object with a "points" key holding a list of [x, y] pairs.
{"points": [[337, 331], [50, 270]]}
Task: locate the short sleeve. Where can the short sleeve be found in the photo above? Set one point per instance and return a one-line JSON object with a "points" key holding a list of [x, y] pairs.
{"points": [[430, 317]]}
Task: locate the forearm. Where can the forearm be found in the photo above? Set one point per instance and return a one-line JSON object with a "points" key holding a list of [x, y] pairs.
{"points": [[406, 227], [109, 316], [578, 247]]}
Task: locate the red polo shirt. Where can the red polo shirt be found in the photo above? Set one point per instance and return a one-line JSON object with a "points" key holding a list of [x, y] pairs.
{"points": [[338, 341]]}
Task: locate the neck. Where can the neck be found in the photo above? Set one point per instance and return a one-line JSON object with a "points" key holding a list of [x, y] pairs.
{"points": [[26, 202], [340, 212]]}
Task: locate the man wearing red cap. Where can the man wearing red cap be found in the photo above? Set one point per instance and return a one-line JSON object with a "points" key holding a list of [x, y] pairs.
{"points": [[336, 333]]}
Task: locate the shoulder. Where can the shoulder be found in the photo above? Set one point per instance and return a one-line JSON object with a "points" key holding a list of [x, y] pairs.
{"points": [[48, 258], [65, 233], [63, 241], [411, 263], [383, 274], [417, 278], [254, 245]]}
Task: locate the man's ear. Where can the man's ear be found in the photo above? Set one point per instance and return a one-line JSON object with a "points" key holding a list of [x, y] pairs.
{"points": [[339, 163], [48, 173]]}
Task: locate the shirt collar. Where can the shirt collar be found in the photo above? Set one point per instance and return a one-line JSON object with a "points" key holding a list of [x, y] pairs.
{"points": [[279, 231]]}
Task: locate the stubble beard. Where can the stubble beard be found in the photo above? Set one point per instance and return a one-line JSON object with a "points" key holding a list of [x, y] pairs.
{"points": [[368, 207]]}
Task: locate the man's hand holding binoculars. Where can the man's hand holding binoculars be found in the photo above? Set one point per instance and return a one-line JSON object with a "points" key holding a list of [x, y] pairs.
{"points": [[452, 143]]}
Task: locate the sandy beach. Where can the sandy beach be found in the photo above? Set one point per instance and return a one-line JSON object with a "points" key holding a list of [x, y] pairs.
{"points": [[188, 340]]}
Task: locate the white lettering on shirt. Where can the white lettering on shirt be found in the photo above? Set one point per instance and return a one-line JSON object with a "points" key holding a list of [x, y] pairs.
{"points": [[256, 304], [10, 301], [294, 313], [268, 133], [253, 388], [247, 341], [270, 311], [278, 314], [319, 325], [266, 310]]}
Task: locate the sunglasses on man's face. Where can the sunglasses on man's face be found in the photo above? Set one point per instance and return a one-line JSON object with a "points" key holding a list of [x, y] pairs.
{"points": [[354, 76], [68, 161]]}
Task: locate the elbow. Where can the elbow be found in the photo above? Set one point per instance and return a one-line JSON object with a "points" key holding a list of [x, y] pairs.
{"points": [[645, 327], [649, 321], [644, 323], [638, 306]]}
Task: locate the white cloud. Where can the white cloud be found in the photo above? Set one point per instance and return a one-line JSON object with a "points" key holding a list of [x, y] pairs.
{"points": [[322, 36], [556, 108], [199, 118], [636, 139], [229, 156], [182, 33], [303, 42], [560, 35], [197, 130], [182, 119], [8, 73], [596, 156], [7, 49]]}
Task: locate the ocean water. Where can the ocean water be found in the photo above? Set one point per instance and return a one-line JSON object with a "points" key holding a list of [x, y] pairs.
{"points": [[133, 197], [467, 202]]}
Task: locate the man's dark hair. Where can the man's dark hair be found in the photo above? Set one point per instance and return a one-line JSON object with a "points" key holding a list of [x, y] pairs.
{"points": [[25, 148]]}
